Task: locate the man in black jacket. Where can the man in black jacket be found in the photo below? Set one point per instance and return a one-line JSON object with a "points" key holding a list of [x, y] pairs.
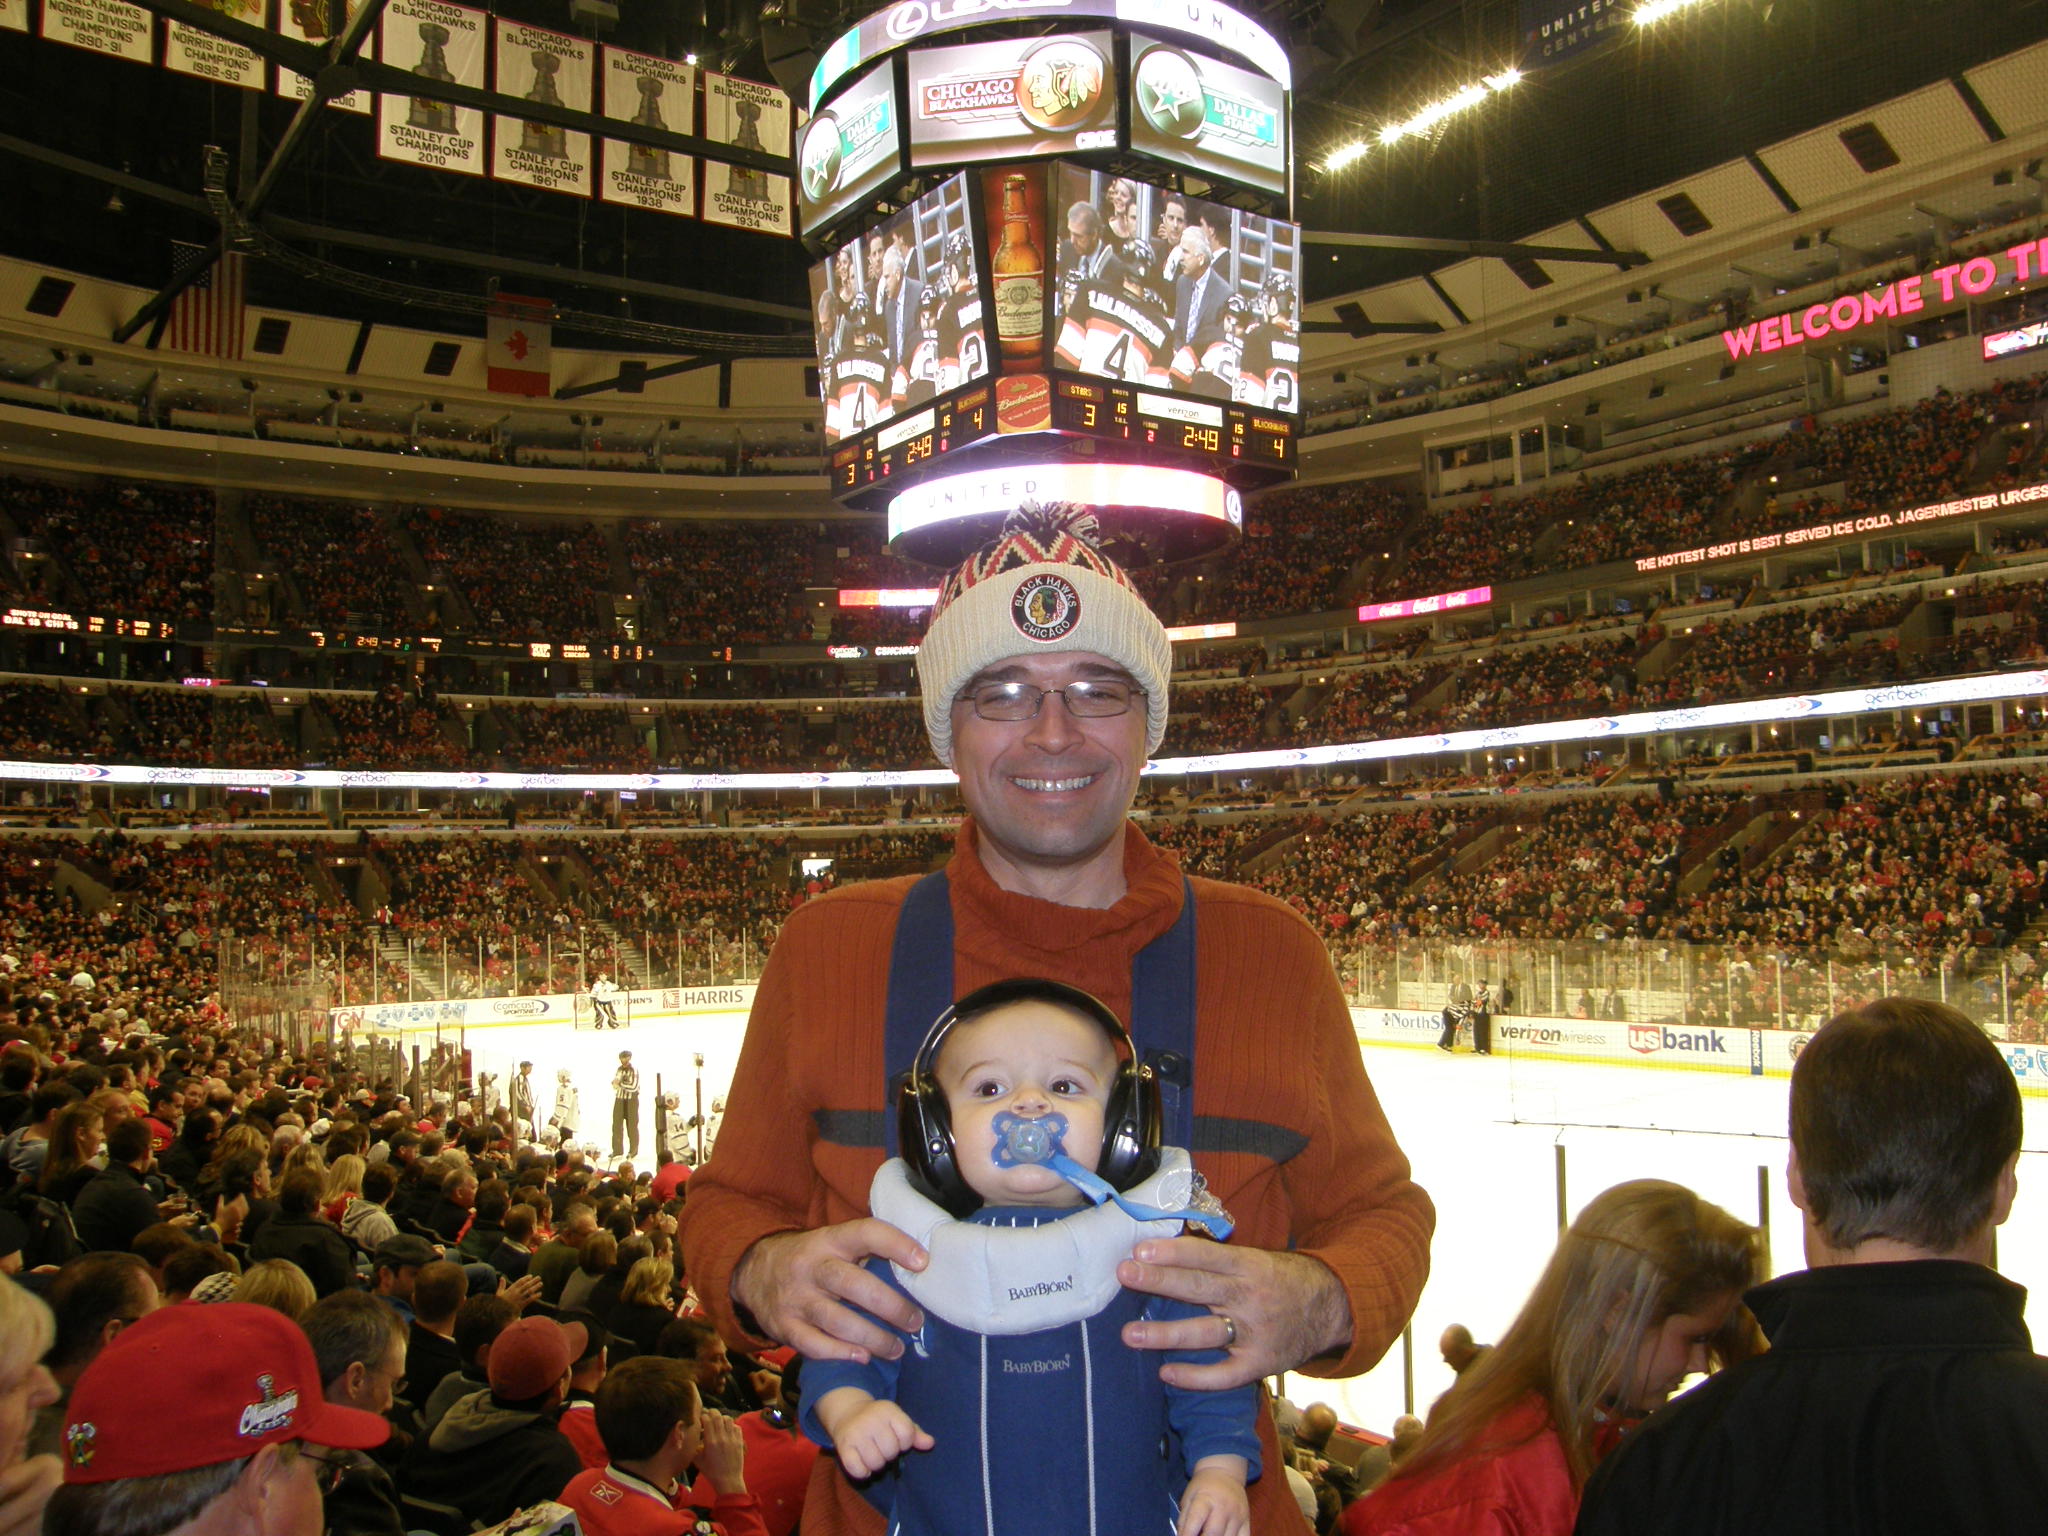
{"points": [[116, 1204], [298, 1233], [359, 1344], [1901, 1392], [500, 1450]]}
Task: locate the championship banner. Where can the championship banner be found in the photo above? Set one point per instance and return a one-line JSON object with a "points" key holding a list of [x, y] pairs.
{"points": [[189, 51], [439, 42], [655, 93], [746, 199], [745, 114], [13, 15], [519, 346], [551, 68], [104, 26], [307, 21]]}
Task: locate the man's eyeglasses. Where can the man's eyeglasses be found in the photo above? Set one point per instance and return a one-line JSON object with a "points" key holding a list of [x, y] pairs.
{"points": [[1022, 701], [329, 1467]]}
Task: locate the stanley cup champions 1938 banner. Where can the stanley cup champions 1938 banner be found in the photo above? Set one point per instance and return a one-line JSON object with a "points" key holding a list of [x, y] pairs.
{"points": [[654, 93]]}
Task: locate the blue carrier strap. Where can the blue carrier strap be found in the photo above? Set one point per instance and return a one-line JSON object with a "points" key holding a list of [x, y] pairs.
{"points": [[1162, 1001]]}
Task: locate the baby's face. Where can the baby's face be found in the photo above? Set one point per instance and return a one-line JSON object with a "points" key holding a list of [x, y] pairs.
{"points": [[1029, 1059]]}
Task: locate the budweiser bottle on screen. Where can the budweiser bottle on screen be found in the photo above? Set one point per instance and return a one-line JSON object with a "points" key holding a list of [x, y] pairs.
{"points": [[1019, 270]]}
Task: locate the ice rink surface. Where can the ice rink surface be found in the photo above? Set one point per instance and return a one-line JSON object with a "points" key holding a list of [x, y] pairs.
{"points": [[1484, 1135]]}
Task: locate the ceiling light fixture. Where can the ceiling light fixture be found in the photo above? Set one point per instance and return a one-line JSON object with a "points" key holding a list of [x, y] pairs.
{"points": [[1654, 11], [1424, 121]]}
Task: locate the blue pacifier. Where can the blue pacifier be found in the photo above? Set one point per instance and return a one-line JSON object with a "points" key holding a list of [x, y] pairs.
{"points": [[1019, 1141]]}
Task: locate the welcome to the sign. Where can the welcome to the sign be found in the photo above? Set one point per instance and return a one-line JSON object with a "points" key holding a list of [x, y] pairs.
{"points": [[1893, 301]]}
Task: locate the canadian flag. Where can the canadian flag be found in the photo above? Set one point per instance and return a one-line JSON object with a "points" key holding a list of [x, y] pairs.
{"points": [[519, 355]]}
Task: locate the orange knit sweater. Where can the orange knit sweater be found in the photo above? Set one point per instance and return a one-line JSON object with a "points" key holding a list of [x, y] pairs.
{"points": [[1288, 1132]]}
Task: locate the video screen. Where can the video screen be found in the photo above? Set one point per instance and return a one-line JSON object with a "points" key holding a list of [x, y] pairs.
{"points": [[898, 314], [1176, 293], [1213, 117], [1022, 96], [848, 150]]}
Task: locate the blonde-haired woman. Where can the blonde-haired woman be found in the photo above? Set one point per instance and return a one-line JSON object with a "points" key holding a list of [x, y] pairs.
{"points": [[344, 1184], [1644, 1289], [26, 1482], [278, 1284], [647, 1304]]}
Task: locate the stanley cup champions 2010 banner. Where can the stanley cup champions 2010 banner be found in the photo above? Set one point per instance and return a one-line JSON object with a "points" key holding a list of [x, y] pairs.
{"points": [[307, 21], [553, 69], [440, 42], [654, 93]]}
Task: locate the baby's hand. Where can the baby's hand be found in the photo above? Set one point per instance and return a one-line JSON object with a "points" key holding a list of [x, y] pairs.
{"points": [[1215, 1505], [874, 1435]]}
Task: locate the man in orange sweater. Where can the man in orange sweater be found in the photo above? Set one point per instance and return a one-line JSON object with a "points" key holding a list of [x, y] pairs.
{"points": [[1044, 678]]}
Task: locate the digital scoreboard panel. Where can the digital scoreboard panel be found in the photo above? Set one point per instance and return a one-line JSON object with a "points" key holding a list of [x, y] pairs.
{"points": [[1158, 425], [878, 457]]}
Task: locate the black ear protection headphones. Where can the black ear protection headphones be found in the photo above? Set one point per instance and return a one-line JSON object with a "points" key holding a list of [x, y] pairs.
{"points": [[924, 1123]]}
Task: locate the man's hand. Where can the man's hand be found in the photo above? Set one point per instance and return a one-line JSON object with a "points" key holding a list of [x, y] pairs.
{"points": [[724, 1457], [798, 1286], [1281, 1309], [867, 1432], [522, 1293], [25, 1488], [1215, 1503]]}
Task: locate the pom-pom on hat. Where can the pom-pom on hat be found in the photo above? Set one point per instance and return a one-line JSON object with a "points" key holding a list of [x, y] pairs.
{"points": [[1042, 586]]}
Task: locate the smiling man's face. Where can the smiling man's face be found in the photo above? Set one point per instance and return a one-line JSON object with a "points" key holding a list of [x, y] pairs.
{"points": [[1049, 794]]}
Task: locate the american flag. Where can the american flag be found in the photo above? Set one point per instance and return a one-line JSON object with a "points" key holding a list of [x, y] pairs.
{"points": [[207, 315]]}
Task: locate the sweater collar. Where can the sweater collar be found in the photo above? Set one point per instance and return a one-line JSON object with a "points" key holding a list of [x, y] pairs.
{"points": [[1933, 1303], [1027, 926]]}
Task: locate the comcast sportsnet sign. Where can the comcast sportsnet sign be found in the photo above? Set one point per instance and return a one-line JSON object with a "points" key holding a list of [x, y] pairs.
{"points": [[911, 21]]}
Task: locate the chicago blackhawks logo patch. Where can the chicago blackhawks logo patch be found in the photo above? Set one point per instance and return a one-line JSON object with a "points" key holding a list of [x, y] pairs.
{"points": [[1045, 607]]}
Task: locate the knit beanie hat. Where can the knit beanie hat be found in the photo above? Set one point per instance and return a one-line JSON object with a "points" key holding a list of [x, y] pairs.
{"points": [[1042, 586]]}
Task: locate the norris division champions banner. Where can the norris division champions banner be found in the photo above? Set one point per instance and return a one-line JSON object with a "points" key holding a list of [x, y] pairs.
{"points": [[655, 93], [439, 42], [553, 69], [105, 26], [307, 21], [189, 51], [13, 15]]}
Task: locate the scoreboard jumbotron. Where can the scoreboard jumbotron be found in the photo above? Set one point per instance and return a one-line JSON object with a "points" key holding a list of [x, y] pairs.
{"points": [[1056, 251]]}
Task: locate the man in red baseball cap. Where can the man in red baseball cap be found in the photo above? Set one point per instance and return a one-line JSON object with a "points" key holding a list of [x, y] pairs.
{"points": [[502, 1449], [204, 1421]]}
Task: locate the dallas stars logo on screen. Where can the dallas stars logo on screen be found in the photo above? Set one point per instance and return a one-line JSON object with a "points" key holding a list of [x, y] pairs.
{"points": [[1170, 93]]}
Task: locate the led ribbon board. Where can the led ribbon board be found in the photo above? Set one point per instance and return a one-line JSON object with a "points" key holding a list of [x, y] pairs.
{"points": [[1818, 706], [935, 513], [910, 20]]}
